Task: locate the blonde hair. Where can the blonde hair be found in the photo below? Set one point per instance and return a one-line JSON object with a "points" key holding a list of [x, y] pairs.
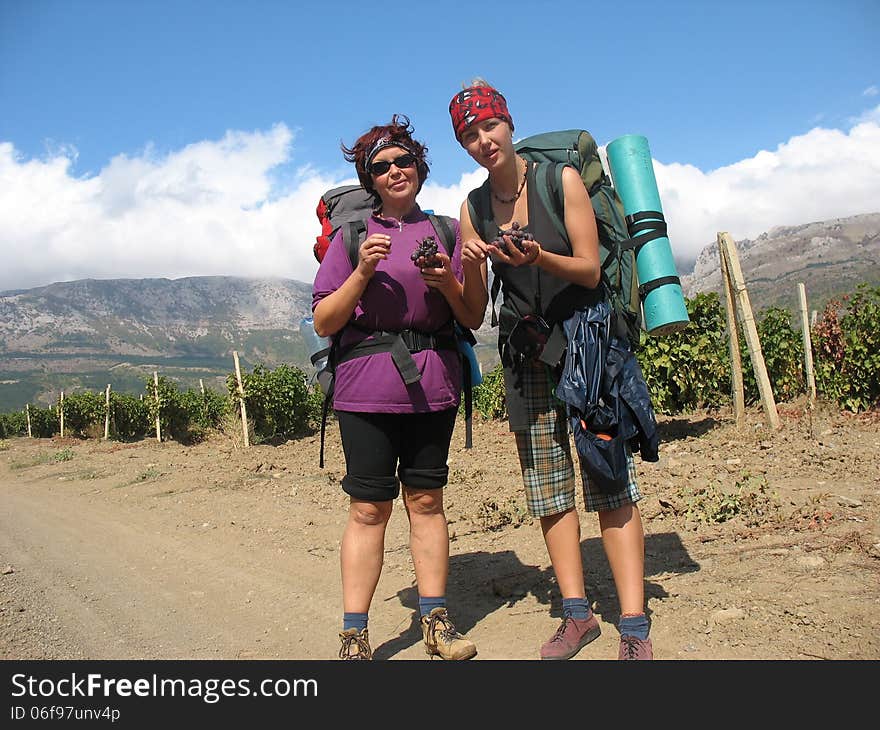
{"points": [[476, 81]]}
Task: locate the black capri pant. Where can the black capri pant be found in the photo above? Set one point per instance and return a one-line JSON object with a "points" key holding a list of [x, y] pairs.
{"points": [[384, 449]]}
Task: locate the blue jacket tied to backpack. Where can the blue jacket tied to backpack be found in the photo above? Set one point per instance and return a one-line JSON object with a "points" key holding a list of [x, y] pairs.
{"points": [[607, 399]]}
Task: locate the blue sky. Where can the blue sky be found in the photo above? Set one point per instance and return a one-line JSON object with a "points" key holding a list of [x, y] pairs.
{"points": [[185, 138]]}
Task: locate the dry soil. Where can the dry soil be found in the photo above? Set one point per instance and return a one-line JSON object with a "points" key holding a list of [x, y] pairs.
{"points": [[760, 544]]}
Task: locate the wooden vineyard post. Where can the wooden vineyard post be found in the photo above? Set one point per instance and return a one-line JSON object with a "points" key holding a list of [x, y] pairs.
{"points": [[107, 413], [808, 345], [27, 412], [156, 395], [61, 413], [744, 309], [736, 375], [244, 426]]}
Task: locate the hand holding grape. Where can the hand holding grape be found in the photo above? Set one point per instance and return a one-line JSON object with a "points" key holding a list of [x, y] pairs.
{"points": [[516, 235], [524, 249], [425, 255]]}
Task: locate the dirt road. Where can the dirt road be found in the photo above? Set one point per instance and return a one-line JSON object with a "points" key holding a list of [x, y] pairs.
{"points": [[166, 551]]}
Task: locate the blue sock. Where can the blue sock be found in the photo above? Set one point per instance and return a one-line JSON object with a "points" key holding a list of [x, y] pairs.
{"points": [[578, 608], [429, 603], [637, 626], [354, 621]]}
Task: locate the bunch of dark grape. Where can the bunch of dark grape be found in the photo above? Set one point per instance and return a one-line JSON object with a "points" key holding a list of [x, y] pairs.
{"points": [[517, 235], [427, 248]]}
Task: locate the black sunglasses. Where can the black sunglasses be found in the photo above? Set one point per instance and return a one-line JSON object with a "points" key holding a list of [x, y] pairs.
{"points": [[383, 166]]}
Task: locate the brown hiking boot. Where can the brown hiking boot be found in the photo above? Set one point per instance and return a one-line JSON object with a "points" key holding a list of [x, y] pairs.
{"points": [[633, 648], [572, 635], [355, 645], [441, 638]]}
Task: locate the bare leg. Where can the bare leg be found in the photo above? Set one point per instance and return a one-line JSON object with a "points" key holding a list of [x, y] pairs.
{"points": [[562, 535], [428, 539], [362, 552], [624, 540]]}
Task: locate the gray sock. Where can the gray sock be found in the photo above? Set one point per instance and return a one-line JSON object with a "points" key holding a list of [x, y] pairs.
{"points": [[637, 626], [578, 608], [354, 621], [429, 603]]}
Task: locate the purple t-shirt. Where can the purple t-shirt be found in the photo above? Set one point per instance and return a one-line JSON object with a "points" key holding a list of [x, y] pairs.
{"points": [[396, 298]]}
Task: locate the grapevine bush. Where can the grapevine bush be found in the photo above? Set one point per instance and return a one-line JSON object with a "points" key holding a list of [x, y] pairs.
{"points": [[489, 400], [84, 413], [174, 421], [129, 417], [44, 422], [13, 424], [205, 411], [280, 403], [690, 368], [846, 344], [783, 351], [684, 371]]}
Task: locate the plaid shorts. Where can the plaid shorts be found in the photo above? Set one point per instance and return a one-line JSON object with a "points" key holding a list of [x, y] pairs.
{"points": [[545, 454]]}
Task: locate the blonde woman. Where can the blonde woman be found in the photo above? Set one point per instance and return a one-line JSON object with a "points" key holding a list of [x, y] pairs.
{"points": [[545, 278]]}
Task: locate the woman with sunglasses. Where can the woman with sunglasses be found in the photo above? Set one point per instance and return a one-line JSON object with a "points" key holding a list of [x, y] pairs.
{"points": [[396, 434], [544, 280]]}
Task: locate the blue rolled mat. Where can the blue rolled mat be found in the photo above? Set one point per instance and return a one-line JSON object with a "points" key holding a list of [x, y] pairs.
{"points": [[632, 172]]}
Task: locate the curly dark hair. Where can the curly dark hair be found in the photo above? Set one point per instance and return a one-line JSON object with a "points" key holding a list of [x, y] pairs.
{"points": [[398, 130]]}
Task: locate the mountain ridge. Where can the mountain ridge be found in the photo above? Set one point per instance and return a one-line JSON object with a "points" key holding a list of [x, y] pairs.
{"points": [[88, 332], [829, 257]]}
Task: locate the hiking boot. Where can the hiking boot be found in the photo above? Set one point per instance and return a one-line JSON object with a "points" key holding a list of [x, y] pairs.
{"points": [[572, 635], [355, 645], [441, 638], [633, 648]]}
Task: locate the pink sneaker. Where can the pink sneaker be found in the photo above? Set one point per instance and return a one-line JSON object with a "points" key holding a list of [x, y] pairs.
{"points": [[572, 635], [633, 648]]}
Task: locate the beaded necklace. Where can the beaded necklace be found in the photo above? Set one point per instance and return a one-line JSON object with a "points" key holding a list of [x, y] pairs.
{"points": [[517, 193]]}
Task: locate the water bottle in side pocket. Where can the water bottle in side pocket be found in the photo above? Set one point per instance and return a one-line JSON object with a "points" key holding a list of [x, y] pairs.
{"points": [[318, 349]]}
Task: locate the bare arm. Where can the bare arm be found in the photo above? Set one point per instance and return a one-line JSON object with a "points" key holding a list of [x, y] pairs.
{"points": [[580, 222]]}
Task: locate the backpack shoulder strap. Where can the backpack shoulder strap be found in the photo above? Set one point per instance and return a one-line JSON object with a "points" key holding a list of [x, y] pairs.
{"points": [[444, 228], [472, 212], [353, 234], [480, 211]]}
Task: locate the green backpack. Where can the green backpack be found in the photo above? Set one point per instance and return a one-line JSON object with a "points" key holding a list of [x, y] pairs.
{"points": [[576, 147]]}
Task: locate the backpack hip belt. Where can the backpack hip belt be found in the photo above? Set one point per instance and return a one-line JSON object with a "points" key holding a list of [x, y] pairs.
{"points": [[401, 345]]}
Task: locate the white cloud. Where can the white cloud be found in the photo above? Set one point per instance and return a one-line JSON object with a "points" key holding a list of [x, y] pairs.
{"points": [[825, 173], [447, 201], [213, 208], [204, 210], [871, 91]]}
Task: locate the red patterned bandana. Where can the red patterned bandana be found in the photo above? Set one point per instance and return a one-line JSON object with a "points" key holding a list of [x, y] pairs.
{"points": [[475, 104]]}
